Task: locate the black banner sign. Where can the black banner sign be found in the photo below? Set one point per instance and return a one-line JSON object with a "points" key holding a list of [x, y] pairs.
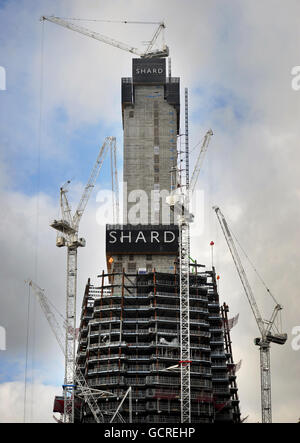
{"points": [[143, 240], [151, 71]]}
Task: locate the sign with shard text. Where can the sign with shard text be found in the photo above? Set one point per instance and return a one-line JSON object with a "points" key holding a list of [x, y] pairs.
{"points": [[143, 239], [149, 71]]}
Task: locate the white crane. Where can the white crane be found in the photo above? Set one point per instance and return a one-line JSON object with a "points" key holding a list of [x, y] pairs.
{"points": [[266, 327], [83, 390], [200, 160], [149, 53], [179, 201], [67, 235], [184, 220]]}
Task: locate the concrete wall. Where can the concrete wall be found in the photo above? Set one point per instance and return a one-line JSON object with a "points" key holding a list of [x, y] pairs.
{"points": [[149, 147]]}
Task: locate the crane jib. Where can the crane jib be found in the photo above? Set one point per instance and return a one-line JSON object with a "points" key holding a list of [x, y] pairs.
{"points": [[163, 52]]}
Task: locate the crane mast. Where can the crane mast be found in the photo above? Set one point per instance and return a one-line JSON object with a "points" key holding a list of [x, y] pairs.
{"points": [[180, 204], [69, 398], [184, 238], [265, 327], [184, 280]]}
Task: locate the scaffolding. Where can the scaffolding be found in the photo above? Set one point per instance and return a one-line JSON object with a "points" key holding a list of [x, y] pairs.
{"points": [[231, 365]]}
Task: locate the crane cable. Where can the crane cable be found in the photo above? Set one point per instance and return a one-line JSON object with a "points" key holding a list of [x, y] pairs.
{"points": [[37, 235], [26, 356], [127, 22], [254, 268]]}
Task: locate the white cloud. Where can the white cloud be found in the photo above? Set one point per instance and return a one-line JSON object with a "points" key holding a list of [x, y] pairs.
{"points": [[39, 407]]}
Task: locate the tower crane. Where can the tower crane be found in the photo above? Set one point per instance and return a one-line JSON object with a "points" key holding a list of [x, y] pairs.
{"points": [[184, 220], [83, 390], [67, 235], [149, 53], [268, 331], [180, 203]]}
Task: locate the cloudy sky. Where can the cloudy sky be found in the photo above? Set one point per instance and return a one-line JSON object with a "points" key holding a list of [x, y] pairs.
{"points": [[62, 98]]}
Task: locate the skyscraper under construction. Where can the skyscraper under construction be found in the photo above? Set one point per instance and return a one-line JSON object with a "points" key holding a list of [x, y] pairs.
{"points": [[130, 322]]}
